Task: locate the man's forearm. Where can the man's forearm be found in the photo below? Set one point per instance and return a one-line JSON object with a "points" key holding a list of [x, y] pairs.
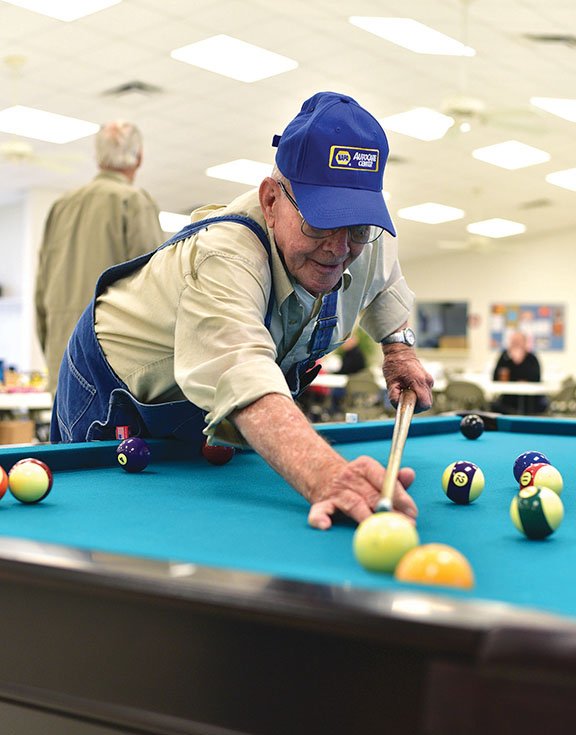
{"points": [[276, 428]]}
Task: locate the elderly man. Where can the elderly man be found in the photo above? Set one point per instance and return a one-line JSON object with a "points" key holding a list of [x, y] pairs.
{"points": [[88, 230], [219, 329]]}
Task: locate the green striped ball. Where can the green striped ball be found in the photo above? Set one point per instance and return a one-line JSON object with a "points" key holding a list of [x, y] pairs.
{"points": [[536, 511]]}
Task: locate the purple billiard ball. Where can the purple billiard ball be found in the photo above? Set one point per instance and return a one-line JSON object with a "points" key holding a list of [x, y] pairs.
{"points": [[133, 454], [525, 460]]}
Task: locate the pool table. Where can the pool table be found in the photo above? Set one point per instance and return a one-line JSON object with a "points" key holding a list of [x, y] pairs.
{"points": [[193, 598]]}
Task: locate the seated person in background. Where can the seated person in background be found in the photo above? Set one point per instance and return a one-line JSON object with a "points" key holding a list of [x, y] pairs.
{"points": [[353, 359], [518, 363]]}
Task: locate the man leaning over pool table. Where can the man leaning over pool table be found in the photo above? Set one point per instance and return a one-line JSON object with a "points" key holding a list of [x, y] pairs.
{"points": [[218, 330]]}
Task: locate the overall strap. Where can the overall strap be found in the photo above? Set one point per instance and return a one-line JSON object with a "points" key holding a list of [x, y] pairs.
{"points": [[303, 373], [324, 327]]}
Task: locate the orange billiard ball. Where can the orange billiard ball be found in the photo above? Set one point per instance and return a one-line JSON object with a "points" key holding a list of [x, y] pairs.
{"points": [[435, 564], [30, 480], [3, 482]]}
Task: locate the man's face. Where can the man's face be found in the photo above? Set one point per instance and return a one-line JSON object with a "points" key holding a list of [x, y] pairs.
{"points": [[316, 264]]}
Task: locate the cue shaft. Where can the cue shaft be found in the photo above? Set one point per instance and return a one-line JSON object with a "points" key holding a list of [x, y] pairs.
{"points": [[404, 413]]}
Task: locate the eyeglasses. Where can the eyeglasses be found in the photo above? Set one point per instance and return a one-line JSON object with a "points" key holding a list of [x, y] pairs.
{"points": [[359, 234]]}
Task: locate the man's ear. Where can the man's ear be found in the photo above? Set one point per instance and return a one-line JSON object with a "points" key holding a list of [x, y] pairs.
{"points": [[268, 194]]}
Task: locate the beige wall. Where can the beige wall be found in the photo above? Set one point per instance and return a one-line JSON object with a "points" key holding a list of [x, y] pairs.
{"points": [[534, 272]]}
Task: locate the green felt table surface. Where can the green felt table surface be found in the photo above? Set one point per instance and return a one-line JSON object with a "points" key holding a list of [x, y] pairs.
{"points": [[244, 516]]}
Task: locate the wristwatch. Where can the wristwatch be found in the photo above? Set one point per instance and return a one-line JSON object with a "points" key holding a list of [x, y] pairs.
{"points": [[402, 336]]}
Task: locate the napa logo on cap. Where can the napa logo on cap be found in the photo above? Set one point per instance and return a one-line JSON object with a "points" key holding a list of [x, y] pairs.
{"points": [[355, 159]]}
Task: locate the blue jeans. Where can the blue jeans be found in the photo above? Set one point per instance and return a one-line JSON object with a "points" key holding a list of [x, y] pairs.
{"points": [[91, 401]]}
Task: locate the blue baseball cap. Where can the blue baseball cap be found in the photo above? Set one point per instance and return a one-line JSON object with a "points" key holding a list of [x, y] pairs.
{"points": [[334, 153]]}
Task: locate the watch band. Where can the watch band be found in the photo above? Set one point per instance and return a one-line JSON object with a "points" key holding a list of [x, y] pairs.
{"points": [[402, 336]]}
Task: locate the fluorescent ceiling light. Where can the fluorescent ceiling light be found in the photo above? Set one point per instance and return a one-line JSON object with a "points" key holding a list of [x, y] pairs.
{"points": [[64, 9], [431, 213], [172, 221], [234, 58], [40, 125], [496, 228], [242, 171], [565, 108], [511, 155], [566, 179], [412, 35], [421, 123]]}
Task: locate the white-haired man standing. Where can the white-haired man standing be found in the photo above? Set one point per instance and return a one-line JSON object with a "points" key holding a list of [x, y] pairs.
{"points": [[88, 230]]}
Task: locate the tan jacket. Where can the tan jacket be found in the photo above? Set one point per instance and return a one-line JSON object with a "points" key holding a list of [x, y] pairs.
{"points": [[191, 323], [99, 225]]}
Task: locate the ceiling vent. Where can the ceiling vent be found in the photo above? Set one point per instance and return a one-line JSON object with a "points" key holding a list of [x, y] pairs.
{"points": [[559, 39], [133, 88], [536, 203]]}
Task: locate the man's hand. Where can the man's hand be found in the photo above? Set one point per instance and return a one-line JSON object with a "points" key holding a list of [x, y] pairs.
{"points": [[355, 490], [402, 369]]}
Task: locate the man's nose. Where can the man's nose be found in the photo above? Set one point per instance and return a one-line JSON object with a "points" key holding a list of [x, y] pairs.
{"points": [[339, 242]]}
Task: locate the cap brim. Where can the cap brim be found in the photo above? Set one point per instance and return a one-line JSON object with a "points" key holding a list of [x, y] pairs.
{"points": [[330, 206]]}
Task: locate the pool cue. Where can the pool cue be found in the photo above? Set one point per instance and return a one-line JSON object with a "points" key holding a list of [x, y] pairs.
{"points": [[406, 405]]}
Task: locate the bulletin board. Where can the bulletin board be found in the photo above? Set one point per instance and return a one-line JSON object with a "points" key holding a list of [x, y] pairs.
{"points": [[544, 324]]}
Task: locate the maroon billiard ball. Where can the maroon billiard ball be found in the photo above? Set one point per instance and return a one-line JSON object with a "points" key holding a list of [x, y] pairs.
{"points": [[133, 454], [217, 454]]}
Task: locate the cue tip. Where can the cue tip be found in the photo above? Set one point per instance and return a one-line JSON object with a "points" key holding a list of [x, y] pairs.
{"points": [[384, 505]]}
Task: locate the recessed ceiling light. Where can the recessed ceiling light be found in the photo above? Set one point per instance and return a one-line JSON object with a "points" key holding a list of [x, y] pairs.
{"points": [[566, 179], [421, 123], [412, 35], [41, 125], [431, 213], [172, 221], [496, 228], [64, 9], [565, 108], [242, 171], [234, 58], [511, 155]]}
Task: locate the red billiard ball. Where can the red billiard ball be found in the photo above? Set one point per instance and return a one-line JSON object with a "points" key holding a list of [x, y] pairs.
{"points": [[3, 481], [30, 480], [133, 454], [217, 455]]}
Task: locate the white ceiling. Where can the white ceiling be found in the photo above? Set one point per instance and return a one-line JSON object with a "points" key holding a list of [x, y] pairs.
{"points": [[200, 119]]}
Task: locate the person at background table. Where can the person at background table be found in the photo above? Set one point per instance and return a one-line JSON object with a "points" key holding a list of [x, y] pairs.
{"points": [[353, 361], [105, 222], [518, 363], [215, 333]]}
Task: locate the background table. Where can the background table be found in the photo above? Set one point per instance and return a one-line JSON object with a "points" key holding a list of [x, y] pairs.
{"points": [[195, 599], [25, 401]]}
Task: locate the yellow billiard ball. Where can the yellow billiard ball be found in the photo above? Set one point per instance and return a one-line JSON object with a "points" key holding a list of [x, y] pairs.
{"points": [[435, 564], [30, 480], [381, 540]]}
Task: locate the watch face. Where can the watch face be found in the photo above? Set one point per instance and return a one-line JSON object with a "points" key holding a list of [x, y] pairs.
{"points": [[410, 337]]}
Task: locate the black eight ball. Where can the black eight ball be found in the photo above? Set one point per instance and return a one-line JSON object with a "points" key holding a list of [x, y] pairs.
{"points": [[472, 426]]}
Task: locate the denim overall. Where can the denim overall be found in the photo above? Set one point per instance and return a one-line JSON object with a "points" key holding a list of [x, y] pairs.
{"points": [[91, 401]]}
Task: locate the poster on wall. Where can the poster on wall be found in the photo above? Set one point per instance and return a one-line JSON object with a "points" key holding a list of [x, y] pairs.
{"points": [[544, 325]]}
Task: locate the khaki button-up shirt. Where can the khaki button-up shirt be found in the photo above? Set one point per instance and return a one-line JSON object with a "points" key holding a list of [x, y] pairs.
{"points": [[190, 324]]}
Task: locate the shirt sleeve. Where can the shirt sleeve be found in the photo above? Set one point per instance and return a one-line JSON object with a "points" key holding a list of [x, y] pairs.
{"points": [[390, 309], [141, 225], [224, 354]]}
